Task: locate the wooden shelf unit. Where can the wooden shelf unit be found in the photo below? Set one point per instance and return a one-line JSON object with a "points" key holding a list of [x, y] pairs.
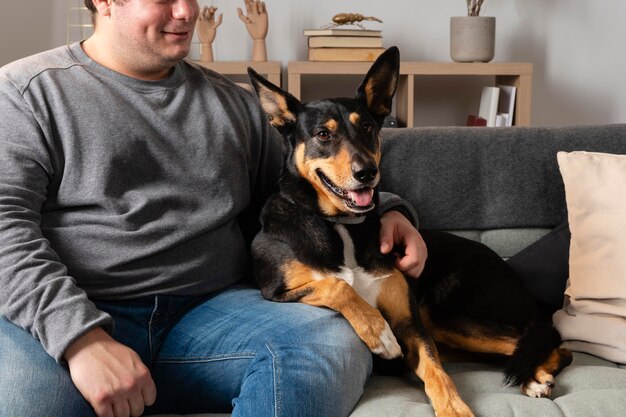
{"points": [[507, 73], [270, 69]]}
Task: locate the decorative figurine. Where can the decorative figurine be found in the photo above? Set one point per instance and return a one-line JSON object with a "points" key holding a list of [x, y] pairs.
{"points": [[341, 19], [206, 29], [256, 23]]}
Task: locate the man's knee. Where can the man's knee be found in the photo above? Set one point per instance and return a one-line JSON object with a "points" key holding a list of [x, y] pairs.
{"points": [[336, 345], [324, 359], [304, 356], [32, 383]]}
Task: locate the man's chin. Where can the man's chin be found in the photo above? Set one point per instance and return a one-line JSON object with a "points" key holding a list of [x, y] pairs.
{"points": [[172, 51], [174, 57]]}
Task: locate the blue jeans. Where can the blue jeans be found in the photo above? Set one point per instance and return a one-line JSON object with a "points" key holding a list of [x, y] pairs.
{"points": [[232, 351]]}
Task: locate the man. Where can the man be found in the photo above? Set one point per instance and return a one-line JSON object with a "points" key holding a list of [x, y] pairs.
{"points": [[128, 178]]}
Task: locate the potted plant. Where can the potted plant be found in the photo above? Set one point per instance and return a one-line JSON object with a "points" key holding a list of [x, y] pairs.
{"points": [[472, 37]]}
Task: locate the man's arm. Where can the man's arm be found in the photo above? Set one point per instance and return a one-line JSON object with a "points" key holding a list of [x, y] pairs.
{"points": [[36, 292], [267, 149]]}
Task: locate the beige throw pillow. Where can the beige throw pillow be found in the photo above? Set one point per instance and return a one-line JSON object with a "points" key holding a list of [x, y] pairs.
{"points": [[593, 317]]}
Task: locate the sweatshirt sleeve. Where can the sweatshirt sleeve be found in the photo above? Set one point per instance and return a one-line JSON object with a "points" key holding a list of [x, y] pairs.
{"points": [[268, 149], [389, 201], [36, 292]]}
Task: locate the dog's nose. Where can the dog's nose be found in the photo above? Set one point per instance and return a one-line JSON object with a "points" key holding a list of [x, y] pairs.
{"points": [[365, 173]]}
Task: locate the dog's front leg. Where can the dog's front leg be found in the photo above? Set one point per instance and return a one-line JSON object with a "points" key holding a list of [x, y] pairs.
{"points": [[309, 286], [421, 352]]}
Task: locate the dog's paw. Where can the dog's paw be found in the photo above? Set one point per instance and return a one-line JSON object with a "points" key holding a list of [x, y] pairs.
{"points": [[538, 389], [388, 347]]}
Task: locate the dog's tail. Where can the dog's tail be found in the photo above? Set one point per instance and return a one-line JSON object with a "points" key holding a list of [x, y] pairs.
{"points": [[538, 348]]}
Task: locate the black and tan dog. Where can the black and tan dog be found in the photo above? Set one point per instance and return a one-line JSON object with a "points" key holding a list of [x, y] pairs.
{"points": [[319, 245]]}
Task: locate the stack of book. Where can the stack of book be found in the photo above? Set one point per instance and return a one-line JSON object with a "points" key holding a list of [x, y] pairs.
{"points": [[497, 105], [344, 44]]}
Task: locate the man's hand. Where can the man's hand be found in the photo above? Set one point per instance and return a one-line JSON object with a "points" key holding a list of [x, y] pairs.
{"points": [[110, 375], [397, 229]]}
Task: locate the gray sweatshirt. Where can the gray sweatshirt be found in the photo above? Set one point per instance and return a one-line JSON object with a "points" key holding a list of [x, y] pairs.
{"points": [[117, 188]]}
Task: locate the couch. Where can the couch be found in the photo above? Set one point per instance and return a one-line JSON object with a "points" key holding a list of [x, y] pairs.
{"points": [[501, 186]]}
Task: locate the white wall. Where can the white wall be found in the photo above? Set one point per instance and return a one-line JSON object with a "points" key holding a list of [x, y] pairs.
{"points": [[576, 46]]}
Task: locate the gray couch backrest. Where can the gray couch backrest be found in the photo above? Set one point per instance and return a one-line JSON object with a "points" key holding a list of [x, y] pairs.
{"points": [[469, 178]]}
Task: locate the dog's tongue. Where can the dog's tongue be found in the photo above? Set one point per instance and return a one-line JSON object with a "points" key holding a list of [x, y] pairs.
{"points": [[362, 197]]}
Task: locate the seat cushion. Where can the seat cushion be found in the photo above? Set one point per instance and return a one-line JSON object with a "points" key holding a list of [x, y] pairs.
{"points": [[589, 387]]}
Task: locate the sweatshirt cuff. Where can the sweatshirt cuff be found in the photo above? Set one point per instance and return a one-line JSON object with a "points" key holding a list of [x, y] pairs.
{"points": [[389, 201], [64, 327]]}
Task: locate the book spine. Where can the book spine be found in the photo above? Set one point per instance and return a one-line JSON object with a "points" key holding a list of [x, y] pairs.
{"points": [[342, 32], [489, 105], [345, 42], [344, 54], [506, 103]]}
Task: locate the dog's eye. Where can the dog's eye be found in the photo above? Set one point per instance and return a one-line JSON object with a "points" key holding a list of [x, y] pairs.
{"points": [[367, 128], [323, 135]]}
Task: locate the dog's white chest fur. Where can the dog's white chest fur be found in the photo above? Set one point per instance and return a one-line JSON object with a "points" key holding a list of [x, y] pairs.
{"points": [[367, 285]]}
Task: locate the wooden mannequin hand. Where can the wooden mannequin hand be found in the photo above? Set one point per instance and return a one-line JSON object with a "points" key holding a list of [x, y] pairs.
{"points": [[256, 18], [207, 24]]}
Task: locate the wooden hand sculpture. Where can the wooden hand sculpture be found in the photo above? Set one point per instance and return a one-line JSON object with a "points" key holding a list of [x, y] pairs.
{"points": [[256, 22], [206, 28]]}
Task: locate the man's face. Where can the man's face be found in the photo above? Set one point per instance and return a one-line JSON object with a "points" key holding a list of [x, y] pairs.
{"points": [[153, 33]]}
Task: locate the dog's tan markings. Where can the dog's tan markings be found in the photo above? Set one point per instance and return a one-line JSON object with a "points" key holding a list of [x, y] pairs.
{"points": [[421, 353], [336, 168], [501, 345], [439, 387], [331, 125], [370, 94], [307, 171], [341, 166], [393, 297], [300, 160], [542, 382], [297, 274], [558, 359], [354, 118], [474, 342], [276, 107], [321, 289], [474, 339], [378, 156]]}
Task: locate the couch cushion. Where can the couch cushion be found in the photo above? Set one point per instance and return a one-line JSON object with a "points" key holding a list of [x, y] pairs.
{"points": [[589, 387], [504, 242], [594, 314], [461, 178]]}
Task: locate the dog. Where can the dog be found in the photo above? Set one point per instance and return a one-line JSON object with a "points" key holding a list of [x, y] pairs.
{"points": [[319, 245]]}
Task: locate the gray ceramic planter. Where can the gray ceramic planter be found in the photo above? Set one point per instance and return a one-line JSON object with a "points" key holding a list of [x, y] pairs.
{"points": [[472, 38]]}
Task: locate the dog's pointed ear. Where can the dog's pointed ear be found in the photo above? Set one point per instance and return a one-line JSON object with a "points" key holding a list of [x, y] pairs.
{"points": [[379, 85], [281, 107]]}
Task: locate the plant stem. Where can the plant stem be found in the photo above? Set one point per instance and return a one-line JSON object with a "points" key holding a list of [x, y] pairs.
{"points": [[478, 6], [473, 7]]}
